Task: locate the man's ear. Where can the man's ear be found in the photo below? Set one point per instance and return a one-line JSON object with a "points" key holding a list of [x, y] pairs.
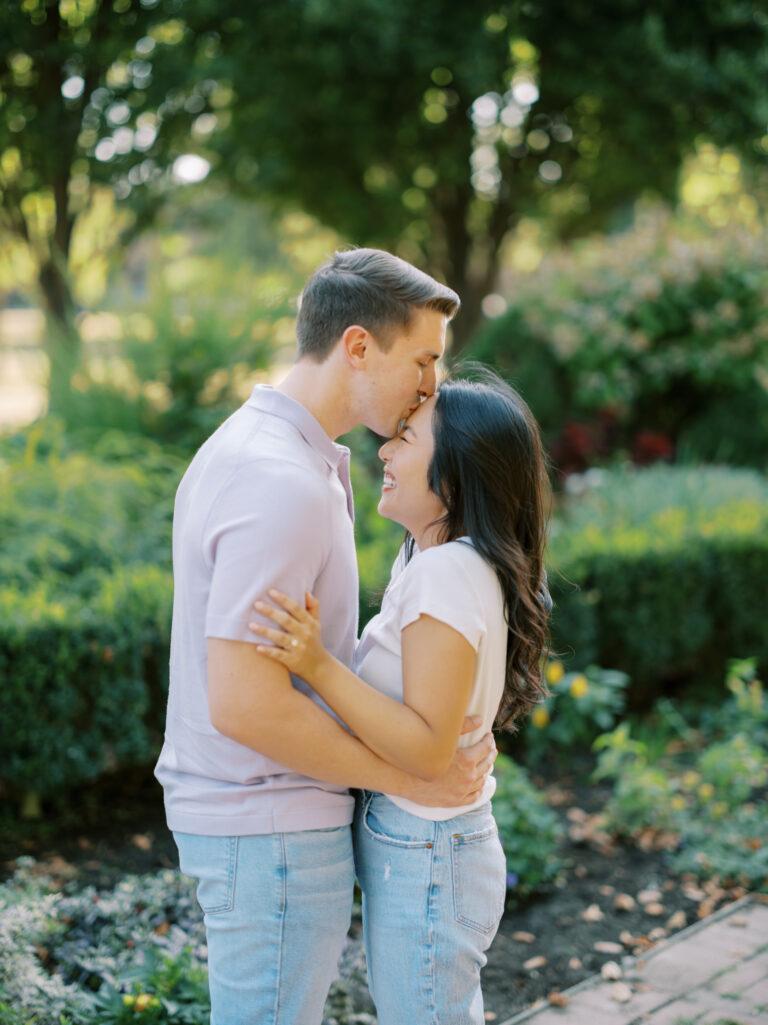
{"points": [[355, 343]]}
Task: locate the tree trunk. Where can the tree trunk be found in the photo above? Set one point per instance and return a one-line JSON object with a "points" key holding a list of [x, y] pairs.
{"points": [[62, 339], [471, 260]]}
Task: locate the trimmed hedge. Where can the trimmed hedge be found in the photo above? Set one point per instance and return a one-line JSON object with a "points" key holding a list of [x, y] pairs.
{"points": [[661, 573], [84, 682], [85, 602]]}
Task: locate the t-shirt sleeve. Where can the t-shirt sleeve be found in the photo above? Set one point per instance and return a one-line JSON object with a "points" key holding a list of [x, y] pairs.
{"points": [[269, 528], [444, 585]]}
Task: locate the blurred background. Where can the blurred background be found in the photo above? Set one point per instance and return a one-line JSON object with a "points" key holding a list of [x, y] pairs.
{"points": [[591, 178]]}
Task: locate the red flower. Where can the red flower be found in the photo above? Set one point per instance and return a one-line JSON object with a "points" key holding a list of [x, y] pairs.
{"points": [[651, 446]]}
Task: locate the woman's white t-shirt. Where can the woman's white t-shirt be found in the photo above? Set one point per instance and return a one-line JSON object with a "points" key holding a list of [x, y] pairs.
{"points": [[453, 583]]}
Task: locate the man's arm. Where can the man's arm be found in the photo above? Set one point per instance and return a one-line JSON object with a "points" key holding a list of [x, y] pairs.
{"points": [[251, 700]]}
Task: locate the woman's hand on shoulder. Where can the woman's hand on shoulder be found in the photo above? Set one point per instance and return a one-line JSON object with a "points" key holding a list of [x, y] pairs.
{"points": [[296, 638]]}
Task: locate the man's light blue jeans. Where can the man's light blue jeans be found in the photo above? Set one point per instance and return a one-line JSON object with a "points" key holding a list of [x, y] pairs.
{"points": [[433, 898], [277, 909]]}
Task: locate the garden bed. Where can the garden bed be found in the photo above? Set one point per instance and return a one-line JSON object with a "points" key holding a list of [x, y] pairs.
{"points": [[84, 849]]}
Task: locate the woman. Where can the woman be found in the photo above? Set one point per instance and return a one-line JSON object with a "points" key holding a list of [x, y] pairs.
{"points": [[462, 630]]}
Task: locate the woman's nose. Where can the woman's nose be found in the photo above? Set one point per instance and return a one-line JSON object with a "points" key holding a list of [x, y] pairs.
{"points": [[384, 452]]}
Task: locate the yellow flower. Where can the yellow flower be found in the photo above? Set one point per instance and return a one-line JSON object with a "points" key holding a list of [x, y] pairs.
{"points": [[129, 1000], [540, 717], [690, 779], [143, 1001], [719, 809], [579, 686], [555, 672], [706, 790], [678, 802]]}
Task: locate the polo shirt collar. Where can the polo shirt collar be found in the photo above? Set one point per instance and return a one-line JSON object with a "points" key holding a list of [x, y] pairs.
{"points": [[270, 400]]}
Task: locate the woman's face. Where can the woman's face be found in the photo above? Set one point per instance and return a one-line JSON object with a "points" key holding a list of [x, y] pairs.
{"points": [[405, 494]]}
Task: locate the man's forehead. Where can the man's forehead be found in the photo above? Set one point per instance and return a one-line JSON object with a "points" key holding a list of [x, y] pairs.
{"points": [[427, 328]]}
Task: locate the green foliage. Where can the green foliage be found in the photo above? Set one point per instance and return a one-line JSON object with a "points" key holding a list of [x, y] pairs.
{"points": [[657, 572], [75, 958], [734, 767], [644, 342], [98, 103], [84, 608], [377, 539], [178, 372], [84, 677], [703, 788], [474, 115], [579, 706], [65, 515], [162, 989], [643, 793], [528, 828], [134, 953]]}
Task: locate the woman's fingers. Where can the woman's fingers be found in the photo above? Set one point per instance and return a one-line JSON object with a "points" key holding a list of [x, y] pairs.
{"points": [[276, 614], [278, 636], [278, 654], [288, 603]]}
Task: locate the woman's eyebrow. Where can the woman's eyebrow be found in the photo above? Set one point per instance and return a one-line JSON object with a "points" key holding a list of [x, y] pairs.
{"points": [[406, 427]]}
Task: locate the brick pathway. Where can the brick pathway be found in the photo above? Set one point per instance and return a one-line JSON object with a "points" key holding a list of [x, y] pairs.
{"points": [[713, 973]]}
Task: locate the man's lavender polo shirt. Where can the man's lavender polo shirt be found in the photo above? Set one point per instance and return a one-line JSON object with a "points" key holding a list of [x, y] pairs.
{"points": [[266, 502]]}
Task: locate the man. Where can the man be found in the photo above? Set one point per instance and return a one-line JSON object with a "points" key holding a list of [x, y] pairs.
{"points": [[255, 767]]}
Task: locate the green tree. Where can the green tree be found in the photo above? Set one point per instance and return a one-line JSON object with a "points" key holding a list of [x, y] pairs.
{"points": [[95, 96], [433, 128]]}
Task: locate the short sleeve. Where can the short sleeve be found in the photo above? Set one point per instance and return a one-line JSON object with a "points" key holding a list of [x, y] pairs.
{"points": [[442, 583], [269, 528]]}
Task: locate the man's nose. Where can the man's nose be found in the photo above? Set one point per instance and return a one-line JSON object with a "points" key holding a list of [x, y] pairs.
{"points": [[428, 382]]}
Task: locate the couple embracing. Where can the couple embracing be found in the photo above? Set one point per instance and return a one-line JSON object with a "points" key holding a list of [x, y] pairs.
{"points": [[298, 758]]}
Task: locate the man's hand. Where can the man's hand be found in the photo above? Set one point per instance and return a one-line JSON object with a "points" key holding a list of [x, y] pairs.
{"points": [[463, 782]]}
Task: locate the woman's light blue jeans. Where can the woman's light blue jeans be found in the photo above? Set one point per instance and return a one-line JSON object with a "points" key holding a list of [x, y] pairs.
{"points": [[433, 898], [277, 909]]}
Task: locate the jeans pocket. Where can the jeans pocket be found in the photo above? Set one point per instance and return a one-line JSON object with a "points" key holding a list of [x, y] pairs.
{"points": [[384, 821], [212, 861], [479, 871]]}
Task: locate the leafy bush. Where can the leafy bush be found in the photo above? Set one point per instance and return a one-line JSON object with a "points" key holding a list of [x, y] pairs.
{"points": [[704, 791], [529, 830], [84, 609], [657, 572], [85, 677], [75, 957], [579, 707], [641, 343], [133, 953], [179, 366], [66, 515]]}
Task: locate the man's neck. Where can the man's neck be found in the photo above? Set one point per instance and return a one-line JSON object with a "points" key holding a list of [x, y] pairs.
{"points": [[319, 389]]}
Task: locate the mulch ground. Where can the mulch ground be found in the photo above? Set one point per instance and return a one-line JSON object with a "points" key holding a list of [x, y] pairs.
{"points": [[610, 899]]}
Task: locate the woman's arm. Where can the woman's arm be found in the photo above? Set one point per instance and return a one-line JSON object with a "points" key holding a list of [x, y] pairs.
{"points": [[419, 735]]}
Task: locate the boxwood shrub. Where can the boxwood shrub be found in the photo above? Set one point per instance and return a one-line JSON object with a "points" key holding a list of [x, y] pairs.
{"points": [[661, 573]]}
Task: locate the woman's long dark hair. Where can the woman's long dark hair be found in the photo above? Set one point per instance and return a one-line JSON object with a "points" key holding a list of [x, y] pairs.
{"points": [[490, 471]]}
